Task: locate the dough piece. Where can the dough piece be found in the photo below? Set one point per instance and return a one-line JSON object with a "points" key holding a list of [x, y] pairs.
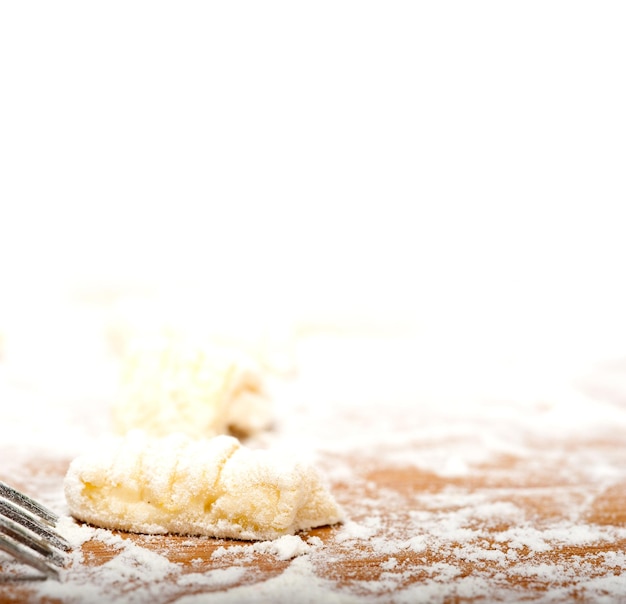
{"points": [[213, 487], [179, 385]]}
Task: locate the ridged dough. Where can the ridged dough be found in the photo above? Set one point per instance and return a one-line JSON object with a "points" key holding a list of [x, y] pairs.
{"points": [[214, 487]]}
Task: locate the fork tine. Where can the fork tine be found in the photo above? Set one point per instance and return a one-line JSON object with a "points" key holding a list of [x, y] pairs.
{"points": [[34, 507], [25, 555], [27, 532], [18, 533], [14, 513], [31, 548]]}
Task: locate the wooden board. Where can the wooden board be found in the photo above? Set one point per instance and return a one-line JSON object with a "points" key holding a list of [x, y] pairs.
{"points": [[413, 515]]}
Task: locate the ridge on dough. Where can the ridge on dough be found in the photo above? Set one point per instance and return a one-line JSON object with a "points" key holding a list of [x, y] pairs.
{"points": [[214, 487]]}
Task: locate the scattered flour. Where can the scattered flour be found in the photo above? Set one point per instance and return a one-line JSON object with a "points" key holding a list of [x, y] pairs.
{"points": [[297, 584], [433, 546], [283, 548]]}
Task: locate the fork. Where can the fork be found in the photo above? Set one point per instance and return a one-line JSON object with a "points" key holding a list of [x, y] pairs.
{"points": [[28, 532]]}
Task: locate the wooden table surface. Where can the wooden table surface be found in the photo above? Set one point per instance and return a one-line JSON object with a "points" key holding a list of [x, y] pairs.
{"points": [[435, 538]]}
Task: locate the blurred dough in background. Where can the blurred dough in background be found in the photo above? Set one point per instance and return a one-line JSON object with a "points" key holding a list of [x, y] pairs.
{"points": [[190, 385]]}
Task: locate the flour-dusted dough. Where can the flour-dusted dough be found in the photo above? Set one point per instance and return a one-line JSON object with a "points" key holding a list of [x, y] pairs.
{"points": [[183, 385], [213, 487]]}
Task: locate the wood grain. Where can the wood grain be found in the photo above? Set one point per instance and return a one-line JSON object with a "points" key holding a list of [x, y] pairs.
{"points": [[541, 486]]}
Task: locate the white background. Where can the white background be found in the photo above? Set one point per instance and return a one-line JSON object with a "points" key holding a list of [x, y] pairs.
{"points": [[440, 163]]}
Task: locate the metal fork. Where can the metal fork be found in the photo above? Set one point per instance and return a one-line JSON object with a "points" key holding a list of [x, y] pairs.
{"points": [[27, 532]]}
